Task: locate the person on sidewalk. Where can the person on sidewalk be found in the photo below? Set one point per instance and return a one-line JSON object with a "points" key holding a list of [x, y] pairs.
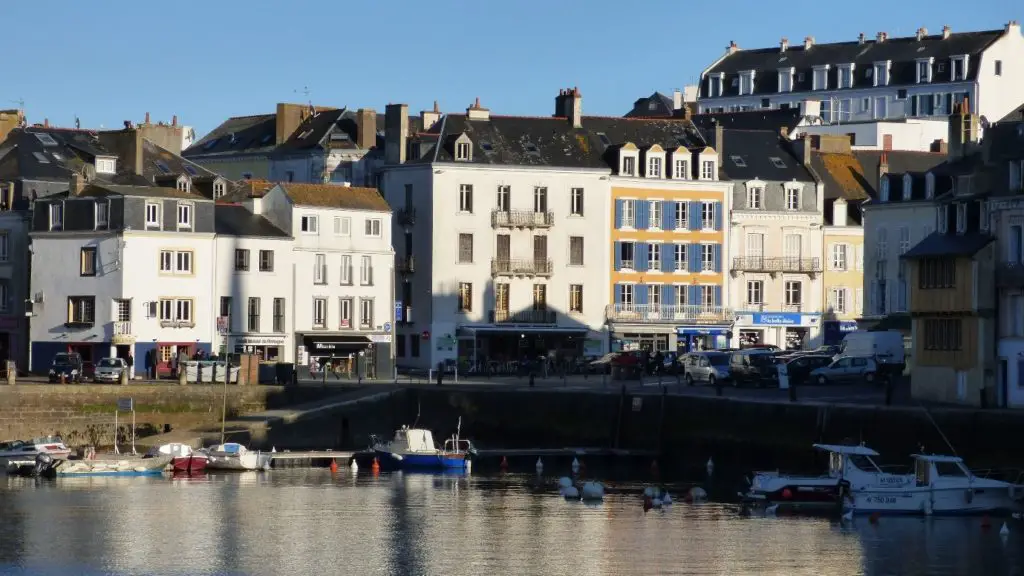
{"points": [[130, 361], [148, 363]]}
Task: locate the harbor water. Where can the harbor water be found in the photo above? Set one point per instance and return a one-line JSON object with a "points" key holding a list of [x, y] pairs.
{"points": [[314, 522]]}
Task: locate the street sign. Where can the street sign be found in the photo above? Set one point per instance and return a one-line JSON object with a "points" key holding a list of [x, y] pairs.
{"points": [[398, 311], [125, 404], [222, 325], [387, 326]]}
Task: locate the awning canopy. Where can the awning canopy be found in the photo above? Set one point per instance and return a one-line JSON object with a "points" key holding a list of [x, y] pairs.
{"points": [[328, 343]]}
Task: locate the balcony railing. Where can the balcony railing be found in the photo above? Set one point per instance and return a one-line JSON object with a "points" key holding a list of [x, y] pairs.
{"points": [[669, 313], [406, 216], [527, 267], [406, 265], [521, 317], [776, 264], [1010, 274], [122, 328], [521, 219]]}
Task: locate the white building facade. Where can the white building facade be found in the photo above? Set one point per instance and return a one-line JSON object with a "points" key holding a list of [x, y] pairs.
{"points": [[914, 134]]}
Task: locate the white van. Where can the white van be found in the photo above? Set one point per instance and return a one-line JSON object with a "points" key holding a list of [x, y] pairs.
{"points": [[885, 346]]}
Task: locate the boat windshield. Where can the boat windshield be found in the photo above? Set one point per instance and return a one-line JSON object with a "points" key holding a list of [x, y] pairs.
{"points": [[949, 469], [863, 463]]}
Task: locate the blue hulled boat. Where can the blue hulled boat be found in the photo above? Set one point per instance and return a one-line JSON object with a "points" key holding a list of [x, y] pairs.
{"points": [[414, 449]]}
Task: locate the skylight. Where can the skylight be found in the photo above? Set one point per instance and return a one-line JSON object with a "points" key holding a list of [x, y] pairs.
{"points": [[487, 147], [604, 139], [41, 158], [778, 162], [739, 161], [46, 139], [266, 138], [305, 134], [340, 135], [191, 169], [531, 148], [162, 166]]}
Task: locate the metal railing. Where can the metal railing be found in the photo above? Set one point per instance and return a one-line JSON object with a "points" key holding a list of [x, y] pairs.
{"points": [[668, 313], [522, 267], [775, 264], [406, 265], [521, 219], [122, 328], [521, 317]]}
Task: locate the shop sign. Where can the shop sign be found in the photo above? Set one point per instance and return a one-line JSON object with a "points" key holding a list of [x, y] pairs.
{"points": [[380, 338], [258, 340], [777, 319]]}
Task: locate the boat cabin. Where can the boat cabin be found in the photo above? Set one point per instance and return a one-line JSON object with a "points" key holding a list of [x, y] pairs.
{"points": [[413, 440], [846, 460], [931, 468]]}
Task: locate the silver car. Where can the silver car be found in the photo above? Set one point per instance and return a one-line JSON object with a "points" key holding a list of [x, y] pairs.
{"points": [[109, 369], [846, 370], [710, 367]]}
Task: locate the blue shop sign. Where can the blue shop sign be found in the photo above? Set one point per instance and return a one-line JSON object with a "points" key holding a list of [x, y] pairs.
{"points": [[777, 319], [834, 330], [701, 331]]}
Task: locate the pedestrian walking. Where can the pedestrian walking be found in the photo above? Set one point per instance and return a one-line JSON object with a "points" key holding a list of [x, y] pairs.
{"points": [[130, 361]]}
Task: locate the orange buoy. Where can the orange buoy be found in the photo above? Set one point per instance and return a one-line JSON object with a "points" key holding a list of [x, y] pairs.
{"points": [[334, 466], [375, 468], [504, 464]]}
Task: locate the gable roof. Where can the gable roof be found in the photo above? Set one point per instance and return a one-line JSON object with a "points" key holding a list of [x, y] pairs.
{"points": [[54, 154], [334, 196], [656, 105], [757, 152], [900, 162], [237, 220], [236, 135]]}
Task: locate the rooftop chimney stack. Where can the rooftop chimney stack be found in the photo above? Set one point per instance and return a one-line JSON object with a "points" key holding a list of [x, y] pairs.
{"points": [[839, 212], [808, 42], [883, 165], [77, 184], [733, 47], [396, 133], [783, 44], [946, 32], [430, 117], [569, 104], [677, 100], [1012, 27], [146, 121], [366, 124], [963, 130], [174, 120], [881, 37], [921, 33], [46, 122], [477, 112], [860, 38]]}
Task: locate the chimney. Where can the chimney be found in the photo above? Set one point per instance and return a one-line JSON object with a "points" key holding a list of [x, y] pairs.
{"points": [[940, 146], [396, 133], [881, 37], [677, 99], [860, 38], [146, 121], [569, 104], [806, 144], [784, 132], [77, 184], [963, 130], [720, 142], [1012, 27], [366, 119], [946, 32], [883, 165], [840, 212], [46, 122], [430, 117], [477, 112], [808, 42], [733, 47], [783, 44], [921, 33], [288, 118], [174, 120], [128, 125]]}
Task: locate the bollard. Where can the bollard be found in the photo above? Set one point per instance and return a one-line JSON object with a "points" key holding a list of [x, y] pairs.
{"points": [[11, 375], [123, 378], [182, 377]]}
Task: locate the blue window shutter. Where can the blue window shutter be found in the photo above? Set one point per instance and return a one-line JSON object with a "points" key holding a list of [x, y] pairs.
{"points": [[668, 295], [694, 215], [618, 293], [618, 214], [668, 215], [694, 263], [718, 295], [618, 256], [642, 214], [641, 294], [692, 299], [718, 257], [668, 256], [718, 216], [640, 257]]}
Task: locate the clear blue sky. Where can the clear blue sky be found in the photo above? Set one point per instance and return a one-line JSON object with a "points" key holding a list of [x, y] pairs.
{"points": [[111, 60]]}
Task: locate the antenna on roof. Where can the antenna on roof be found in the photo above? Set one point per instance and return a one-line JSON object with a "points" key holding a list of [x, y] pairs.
{"points": [[305, 92], [78, 123]]}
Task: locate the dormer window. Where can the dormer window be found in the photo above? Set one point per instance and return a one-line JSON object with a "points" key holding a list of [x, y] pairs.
{"points": [[908, 186], [786, 79], [846, 76], [628, 158], [961, 218], [881, 73], [963, 185], [755, 195], [654, 164], [746, 82], [958, 68], [708, 166], [715, 85], [184, 183], [924, 70], [820, 81], [944, 219], [680, 166], [106, 165], [219, 188], [884, 192], [463, 149], [929, 186]]}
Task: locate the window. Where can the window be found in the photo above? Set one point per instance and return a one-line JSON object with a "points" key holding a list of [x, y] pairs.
{"points": [[820, 80], [501, 297], [87, 262], [576, 251], [936, 273], [346, 270], [654, 296], [152, 215], [576, 298], [466, 198], [794, 292], [576, 202], [122, 310], [266, 260], [540, 297], [241, 260], [707, 170], [342, 226], [225, 311], [654, 257], [924, 71], [715, 86], [961, 218], [626, 254], [707, 257], [465, 297], [1015, 244], [654, 214], [707, 215], [792, 198], [505, 197], [786, 80], [904, 239], [885, 189], [175, 262], [654, 167], [681, 259], [846, 76], [839, 257], [881, 75], [372, 228], [755, 292], [366, 313], [462, 150], [320, 313], [837, 300], [999, 68], [706, 296], [943, 335], [184, 215], [102, 214], [681, 215], [344, 312], [366, 271], [279, 315], [57, 216], [626, 298], [540, 199], [746, 82], [755, 197], [219, 189], [254, 315], [81, 309], [682, 169], [628, 213], [175, 311], [414, 346], [320, 269], [629, 166], [308, 225], [4, 246], [465, 248]]}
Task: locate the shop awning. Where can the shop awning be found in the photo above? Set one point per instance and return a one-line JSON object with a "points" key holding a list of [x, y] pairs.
{"points": [[702, 330], [326, 344]]}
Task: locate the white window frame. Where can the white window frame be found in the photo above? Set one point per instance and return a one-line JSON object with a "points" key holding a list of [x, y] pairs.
{"points": [[309, 224], [628, 296], [791, 288], [883, 78], [320, 269], [929, 71], [964, 71], [929, 186], [755, 197], [823, 70], [185, 210], [655, 163], [628, 213], [838, 300], [792, 198], [840, 257], [628, 163], [682, 223], [655, 214], [342, 226], [366, 313], [908, 187], [319, 313], [755, 292], [176, 310], [846, 77], [904, 245], [707, 215], [102, 212], [153, 210], [682, 257], [746, 87], [707, 257], [177, 262], [786, 80], [345, 305], [708, 169], [463, 151], [219, 189], [373, 228], [57, 216], [682, 168], [654, 257], [366, 271], [346, 270], [576, 202], [466, 198], [961, 218]]}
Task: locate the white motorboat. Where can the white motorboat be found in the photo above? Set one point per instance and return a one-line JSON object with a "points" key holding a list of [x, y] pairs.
{"points": [[234, 456], [22, 450], [940, 485], [851, 468]]}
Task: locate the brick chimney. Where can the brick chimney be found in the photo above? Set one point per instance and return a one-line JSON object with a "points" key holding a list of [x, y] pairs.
{"points": [[430, 117], [146, 121], [921, 33], [288, 118], [883, 165], [946, 32], [963, 130], [77, 184], [396, 133], [366, 119], [783, 44], [733, 47], [569, 104], [174, 120], [808, 42], [478, 112], [860, 38], [46, 122], [881, 37]]}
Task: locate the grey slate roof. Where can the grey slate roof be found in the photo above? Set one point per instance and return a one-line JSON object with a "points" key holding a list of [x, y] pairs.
{"points": [[38, 153], [755, 150], [656, 105], [236, 220], [902, 52], [901, 162], [237, 135], [102, 190], [950, 244], [774, 119]]}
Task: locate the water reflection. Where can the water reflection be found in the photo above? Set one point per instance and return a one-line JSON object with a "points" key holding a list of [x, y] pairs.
{"points": [[312, 522]]}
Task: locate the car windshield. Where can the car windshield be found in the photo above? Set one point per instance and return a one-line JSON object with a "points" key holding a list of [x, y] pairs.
{"points": [[62, 359], [762, 359], [718, 359], [109, 363]]}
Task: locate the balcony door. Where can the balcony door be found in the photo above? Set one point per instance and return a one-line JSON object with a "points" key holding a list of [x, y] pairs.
{"points": [[755, 249], [540, 253], [791, 249]]}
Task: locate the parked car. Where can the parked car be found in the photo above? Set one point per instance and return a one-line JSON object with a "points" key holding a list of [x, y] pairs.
{"points": [[798, 368], [887, 347], [109, 369], [710, 367], [68, 364], [847, 369], [753, 366]]}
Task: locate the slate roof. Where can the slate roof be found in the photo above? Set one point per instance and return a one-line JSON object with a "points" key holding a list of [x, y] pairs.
{"points": [[54, 154], [656, 105], [843, 177], [938, 244], [237, 220], [552, 141], [902, 52], [755, 150], [102, 190], [335, 196], [774, 119], [237, 135], [1016, 115], [312, 131], [900, 162]]}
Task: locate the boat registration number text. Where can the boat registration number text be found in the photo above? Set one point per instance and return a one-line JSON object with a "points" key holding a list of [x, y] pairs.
{"points": [[881, 499]]}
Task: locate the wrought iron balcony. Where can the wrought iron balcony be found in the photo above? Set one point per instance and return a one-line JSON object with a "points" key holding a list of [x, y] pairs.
{"points": [[521, 317], [406, 216], [776, 264], [1010, 274], [524, 267], [406, 265], [668, 313], [521, 219]]}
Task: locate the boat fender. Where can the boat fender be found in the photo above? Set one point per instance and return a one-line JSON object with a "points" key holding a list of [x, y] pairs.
{"points": [[969, 495]]}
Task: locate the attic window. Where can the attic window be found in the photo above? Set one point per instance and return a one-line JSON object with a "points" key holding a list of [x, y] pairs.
{"points": [[184, 184], [46, 139], [908, 186], [162, 166], [266, 138], [41, 158], [738, 161], [191, 169], [106, 165], [884, 193], [777, 162], [487, 147], [531, 148], [929, 186], [961, 218], [462, 150], [604, 139], [219, 188]]}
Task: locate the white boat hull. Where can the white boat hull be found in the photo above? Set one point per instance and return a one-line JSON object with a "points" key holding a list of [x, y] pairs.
{"points": [[927, 501], [238, 462]]}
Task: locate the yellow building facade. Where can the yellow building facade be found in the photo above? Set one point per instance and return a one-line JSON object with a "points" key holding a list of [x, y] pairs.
{"points": [[842, 279]]}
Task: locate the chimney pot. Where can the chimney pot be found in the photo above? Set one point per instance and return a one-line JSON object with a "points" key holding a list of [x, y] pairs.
{"points": [[921, 33], [147, 118], [783, 44], [437, 109], [881, 37], [174, 120], [733, 47], [476, 103], [860, 38], [46, 122], [808, 42], [946, 32]]}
